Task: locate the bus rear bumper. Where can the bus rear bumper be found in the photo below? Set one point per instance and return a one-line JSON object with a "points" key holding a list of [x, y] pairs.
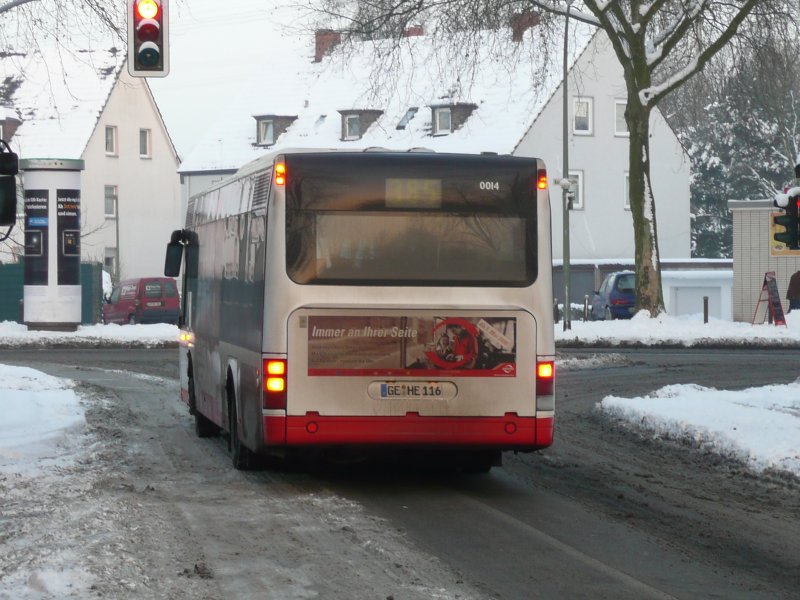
{"points": [[508, 432]]}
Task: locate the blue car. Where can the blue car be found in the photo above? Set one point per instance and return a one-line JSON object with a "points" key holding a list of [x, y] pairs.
{"points": [[616, 298]]}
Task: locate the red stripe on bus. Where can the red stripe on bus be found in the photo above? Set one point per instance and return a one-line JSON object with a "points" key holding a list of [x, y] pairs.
{"points": [[544, 432], [509, 432], [275, 431]]}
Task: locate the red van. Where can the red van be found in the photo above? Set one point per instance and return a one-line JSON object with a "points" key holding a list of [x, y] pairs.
{"points": [[144, 300]]}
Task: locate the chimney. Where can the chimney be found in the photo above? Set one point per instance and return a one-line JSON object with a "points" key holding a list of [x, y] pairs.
{"points": [[324, 41], [521, 22], [413, 31]]}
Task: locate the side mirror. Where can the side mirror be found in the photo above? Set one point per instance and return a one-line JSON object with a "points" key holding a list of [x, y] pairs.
{"points": [[172, 264]]}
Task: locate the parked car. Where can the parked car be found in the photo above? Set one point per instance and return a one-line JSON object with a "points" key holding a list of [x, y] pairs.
{"points": [[144, 300], [616, 298]]}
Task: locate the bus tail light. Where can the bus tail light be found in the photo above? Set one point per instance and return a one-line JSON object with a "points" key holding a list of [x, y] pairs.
{"points": [[280, 173], [545, 378], [541, 179], [274, 383]]}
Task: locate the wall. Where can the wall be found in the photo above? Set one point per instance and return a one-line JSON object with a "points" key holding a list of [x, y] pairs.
{"points": [[752, 258]]}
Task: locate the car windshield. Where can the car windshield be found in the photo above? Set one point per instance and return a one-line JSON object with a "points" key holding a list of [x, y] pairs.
{"points": [[626, 283]]}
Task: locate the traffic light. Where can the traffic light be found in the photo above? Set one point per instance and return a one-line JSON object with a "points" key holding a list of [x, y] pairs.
{"points": [[9, 167], [790, 221], [148, 38]]}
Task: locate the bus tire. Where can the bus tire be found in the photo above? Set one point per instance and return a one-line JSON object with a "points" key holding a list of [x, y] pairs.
{"points": [[242, 457], [203, 426]]}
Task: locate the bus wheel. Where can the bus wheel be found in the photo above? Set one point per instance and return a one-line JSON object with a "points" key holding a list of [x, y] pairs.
{"points": [[203, 426], [242, 457]]}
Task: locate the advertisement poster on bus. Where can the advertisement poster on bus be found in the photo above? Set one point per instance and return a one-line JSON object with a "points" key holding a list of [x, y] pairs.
{"points": [[412, 346]]}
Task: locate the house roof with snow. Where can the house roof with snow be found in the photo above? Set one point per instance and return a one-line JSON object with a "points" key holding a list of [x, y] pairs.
{"points": [[56, 94], [500, 91]]}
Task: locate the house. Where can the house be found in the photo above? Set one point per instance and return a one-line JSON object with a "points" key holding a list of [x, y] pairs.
{"points": [[79, 103], [511, 103]]}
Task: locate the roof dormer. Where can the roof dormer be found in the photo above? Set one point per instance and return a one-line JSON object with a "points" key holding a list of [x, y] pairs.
{"points": [[356, 122], [447, 118], [270, 127], [9, 121]]}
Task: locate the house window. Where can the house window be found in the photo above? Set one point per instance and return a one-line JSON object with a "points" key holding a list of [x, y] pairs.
{"points": [[627, 191], [110, 261], [576, 177], [144, 143], [582, 116], [620, 124], [111, 140], [266, 132], [407, 117], [442, 123], [110, 201], [352, 127]]}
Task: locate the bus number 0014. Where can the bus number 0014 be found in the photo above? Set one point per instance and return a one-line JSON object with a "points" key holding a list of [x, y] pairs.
{"points": [[490, 185]]}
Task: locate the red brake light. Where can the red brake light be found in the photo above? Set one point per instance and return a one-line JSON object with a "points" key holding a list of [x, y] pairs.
{"points": [[274, 383], [545, 377]]}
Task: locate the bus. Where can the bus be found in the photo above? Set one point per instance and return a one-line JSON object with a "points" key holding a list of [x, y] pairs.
{"points": [[370, 300]]}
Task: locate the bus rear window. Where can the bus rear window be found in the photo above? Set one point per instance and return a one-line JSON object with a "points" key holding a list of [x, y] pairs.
{"points": [[402, 220]]}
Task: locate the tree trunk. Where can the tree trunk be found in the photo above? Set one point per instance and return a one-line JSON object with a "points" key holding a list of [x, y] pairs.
{"points": [[648, 263]]}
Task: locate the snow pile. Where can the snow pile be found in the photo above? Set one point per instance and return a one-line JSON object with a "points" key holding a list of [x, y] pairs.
{"points": [[148, 336], [42, 417], [759, 426], [687, 330]]}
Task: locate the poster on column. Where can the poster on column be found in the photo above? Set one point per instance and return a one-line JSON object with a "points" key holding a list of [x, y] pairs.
{"points": [[68, 204], [36, 233]]}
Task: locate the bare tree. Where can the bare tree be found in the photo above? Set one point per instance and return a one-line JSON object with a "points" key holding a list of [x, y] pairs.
{"points": [[660, 44], [107, 13]]}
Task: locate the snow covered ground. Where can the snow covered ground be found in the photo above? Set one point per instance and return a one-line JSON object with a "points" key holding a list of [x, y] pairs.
{"points": [[43, 416]]}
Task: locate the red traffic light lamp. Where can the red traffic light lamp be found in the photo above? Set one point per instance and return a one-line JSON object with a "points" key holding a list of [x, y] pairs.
{"points": [[148, 47]]}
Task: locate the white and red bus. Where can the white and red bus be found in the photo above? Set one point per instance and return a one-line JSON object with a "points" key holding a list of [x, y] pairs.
{"points": [[370, 300]]}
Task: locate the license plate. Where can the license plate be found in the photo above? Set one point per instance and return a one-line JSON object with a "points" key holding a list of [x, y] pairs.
{"points": [[412, 390], [154, 304]]}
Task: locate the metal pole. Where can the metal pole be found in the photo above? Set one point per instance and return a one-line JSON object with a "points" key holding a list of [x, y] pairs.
{"points": [[565, 188], [116, 224]]}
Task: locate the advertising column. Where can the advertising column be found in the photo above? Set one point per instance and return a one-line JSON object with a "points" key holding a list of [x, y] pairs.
{"points": [[52, 280]]}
